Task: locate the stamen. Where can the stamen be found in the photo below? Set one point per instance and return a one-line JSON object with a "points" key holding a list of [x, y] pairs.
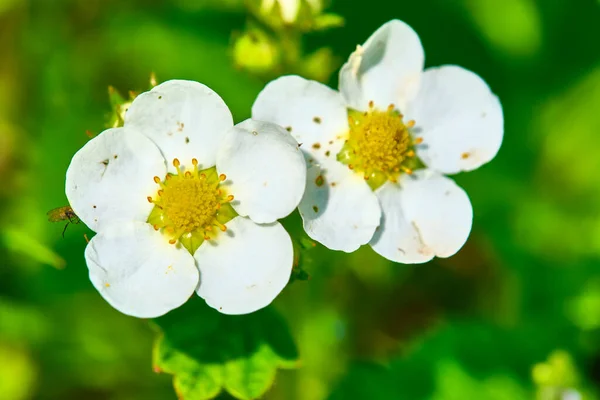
{"points": [[379, 145], [221, 226], [190, 204]]}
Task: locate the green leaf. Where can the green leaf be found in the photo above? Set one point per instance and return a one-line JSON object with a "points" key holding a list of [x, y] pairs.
{"points": [[328, 21], [23, 243], [207, 351]]}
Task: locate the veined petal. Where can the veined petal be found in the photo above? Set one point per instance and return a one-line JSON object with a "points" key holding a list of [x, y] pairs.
{"points": [[315, 115], [265, 170], [339, 209], [385, 70], [424, 215], [185, 119], [459, 119], [138, 272], [246, 267], [111, 177]]}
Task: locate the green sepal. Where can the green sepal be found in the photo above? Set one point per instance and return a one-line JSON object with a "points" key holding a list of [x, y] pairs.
{"points": [[327, 21], [118, 106]]}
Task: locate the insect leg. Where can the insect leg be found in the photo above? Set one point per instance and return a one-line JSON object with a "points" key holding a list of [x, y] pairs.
{"points": [[64, 230]]}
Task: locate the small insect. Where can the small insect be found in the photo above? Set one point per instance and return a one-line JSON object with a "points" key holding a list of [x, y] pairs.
{"points": [[64, 213]]}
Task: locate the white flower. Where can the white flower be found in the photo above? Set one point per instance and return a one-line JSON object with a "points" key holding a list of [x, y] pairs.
{"points": [[379, 148], [183, 201]]}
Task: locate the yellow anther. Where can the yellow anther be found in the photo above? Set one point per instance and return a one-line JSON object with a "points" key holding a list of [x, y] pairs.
{"points": [[188, 205], [411, 124], [156, 179], [379, 145], [150, 199], [221, 226]]}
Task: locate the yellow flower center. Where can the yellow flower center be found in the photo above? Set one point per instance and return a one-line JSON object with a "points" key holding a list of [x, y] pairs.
{"points": [[191, 206], [379, 145]]}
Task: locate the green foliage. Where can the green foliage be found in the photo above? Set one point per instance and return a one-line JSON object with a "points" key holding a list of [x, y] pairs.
{"points": [[474, 326], [208, 352], [272, 44]]}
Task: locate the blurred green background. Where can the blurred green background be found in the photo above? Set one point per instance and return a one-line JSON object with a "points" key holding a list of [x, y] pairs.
{"points": [[514, 315]]}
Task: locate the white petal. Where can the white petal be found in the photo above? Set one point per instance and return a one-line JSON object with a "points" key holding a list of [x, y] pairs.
{"points": [[184, 118], [385, 70], [424, 215], [265, 170], [315, 115], [245, 268], [138, 272], [459, 119], [339, 209], [289, 9], [111, 177]]}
